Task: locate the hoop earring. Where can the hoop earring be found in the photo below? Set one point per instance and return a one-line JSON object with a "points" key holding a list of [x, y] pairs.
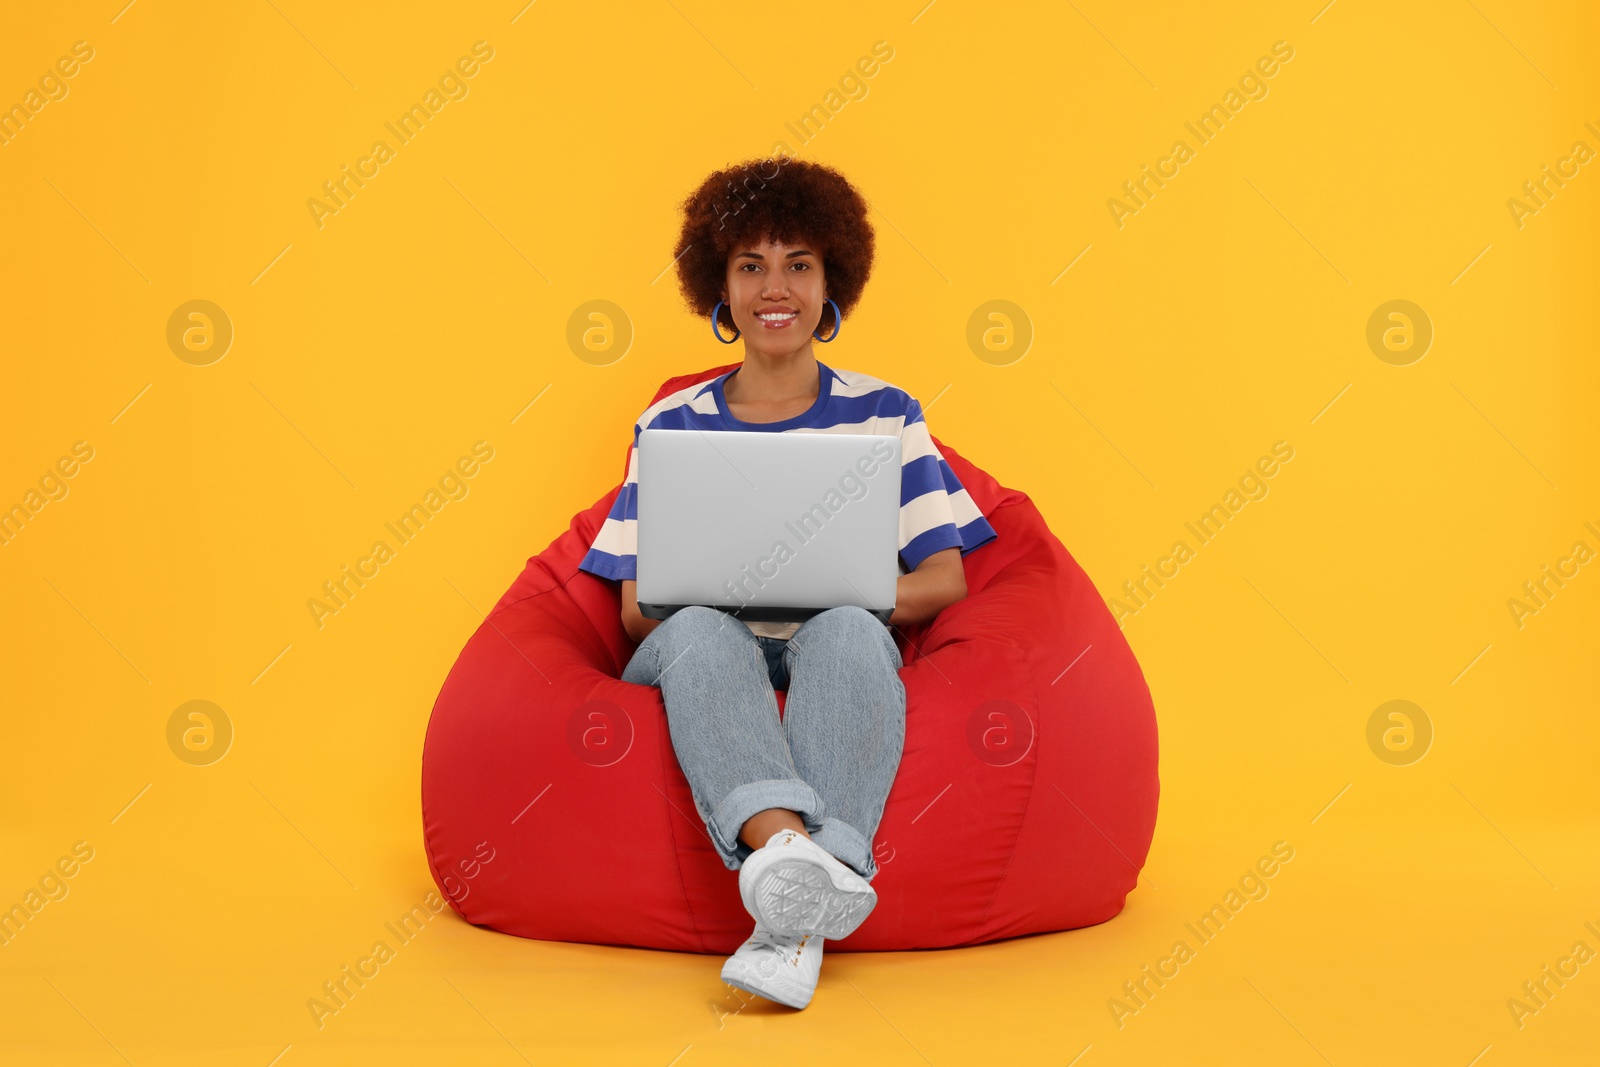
{"points": [[718, 333], [838, 324]]}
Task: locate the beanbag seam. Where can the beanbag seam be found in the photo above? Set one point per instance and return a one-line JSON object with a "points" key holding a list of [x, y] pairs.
{"points": [[504, 606]]}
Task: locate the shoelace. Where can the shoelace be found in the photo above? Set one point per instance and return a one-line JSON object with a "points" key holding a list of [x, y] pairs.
{"points": [[784, 949]]}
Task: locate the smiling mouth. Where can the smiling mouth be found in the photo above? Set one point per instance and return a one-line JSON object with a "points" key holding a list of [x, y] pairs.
{"points": [[777, 320]]}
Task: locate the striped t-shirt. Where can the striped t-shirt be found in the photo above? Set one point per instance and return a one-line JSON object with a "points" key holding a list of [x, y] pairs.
{"points": [[936, 511]]}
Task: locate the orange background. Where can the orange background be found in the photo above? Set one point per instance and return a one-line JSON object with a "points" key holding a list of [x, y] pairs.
{"points": [[1164, 357]]}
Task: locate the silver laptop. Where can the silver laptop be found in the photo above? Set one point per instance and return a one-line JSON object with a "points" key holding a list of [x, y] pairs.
{"points": [[769, 526]]}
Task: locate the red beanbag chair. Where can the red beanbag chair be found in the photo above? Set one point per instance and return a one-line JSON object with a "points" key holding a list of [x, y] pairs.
{"points": [[554, 808]]}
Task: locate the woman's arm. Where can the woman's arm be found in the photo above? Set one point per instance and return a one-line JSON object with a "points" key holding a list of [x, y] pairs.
{"points": [[637, 625], [939, 581]]}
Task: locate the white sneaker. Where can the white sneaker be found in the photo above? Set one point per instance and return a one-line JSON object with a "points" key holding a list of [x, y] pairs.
{"points": [[792, 887], [782, 969]]}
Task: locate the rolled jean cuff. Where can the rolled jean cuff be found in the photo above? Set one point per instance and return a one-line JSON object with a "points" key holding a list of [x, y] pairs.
{"points": [[752, 797], [846, 844]]}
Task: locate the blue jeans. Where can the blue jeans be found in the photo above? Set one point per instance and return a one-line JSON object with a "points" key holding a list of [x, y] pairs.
{"points": [[831, 759]]}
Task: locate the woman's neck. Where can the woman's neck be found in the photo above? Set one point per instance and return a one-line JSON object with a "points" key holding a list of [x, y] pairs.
{"points": [[763, 378]]}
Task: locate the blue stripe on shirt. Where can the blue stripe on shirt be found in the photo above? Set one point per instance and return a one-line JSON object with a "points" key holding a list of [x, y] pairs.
{"points": [[617, 568]]}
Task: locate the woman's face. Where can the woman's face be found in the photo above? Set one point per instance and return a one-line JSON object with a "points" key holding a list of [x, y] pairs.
{"points": [[776, 293]]}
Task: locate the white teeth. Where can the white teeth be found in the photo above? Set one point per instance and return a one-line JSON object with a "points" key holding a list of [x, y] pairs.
{"points": [[776, 317]]}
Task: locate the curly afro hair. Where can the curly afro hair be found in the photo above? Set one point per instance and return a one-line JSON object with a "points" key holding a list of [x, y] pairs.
{"points": [[786, 200]]}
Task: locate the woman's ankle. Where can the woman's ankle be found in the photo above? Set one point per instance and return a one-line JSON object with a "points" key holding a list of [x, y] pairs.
{"points": [[763, 824]]}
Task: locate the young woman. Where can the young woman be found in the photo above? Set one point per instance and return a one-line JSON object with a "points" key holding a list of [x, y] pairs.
{"points": [[792, 805]]}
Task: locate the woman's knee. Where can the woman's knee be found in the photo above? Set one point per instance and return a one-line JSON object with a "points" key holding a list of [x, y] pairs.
{"points": [[698, 627], [849, 630], [699, 621], [667, 643]]}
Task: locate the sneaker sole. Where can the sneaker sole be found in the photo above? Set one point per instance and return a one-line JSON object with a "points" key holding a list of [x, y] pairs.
{"points": [[796, 897], [775, 995]]}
